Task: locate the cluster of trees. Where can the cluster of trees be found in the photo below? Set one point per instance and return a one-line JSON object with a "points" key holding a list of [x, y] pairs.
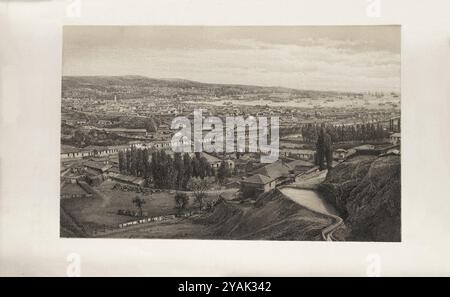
{"points": [[181, 201], [324, 149], [135, 162], [199, 187], [168, 172], [139, 203], [223, 172], [341, 133]]}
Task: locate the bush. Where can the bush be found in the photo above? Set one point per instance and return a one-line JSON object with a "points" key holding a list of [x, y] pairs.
{"points": [[181, 200]]}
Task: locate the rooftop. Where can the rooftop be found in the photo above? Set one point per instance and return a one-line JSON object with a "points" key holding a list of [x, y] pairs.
{"points": [[97, 165], [258, 179], [274, 170], [365, 147], [127, 178]]}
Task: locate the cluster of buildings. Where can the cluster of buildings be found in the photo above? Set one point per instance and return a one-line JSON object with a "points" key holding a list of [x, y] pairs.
{"points": [[278, 173], [96, 163], [82, 168], [79, 176]]}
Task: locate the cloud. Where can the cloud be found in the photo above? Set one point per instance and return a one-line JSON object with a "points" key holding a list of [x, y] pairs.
{"points": [[307, 63]]}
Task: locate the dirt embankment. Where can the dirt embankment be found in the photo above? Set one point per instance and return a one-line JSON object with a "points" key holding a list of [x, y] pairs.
{"points": [[366, 191], [69, 227], [272, 217]]}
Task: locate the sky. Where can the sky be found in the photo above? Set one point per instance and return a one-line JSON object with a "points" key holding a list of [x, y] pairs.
{"points": [[339, 58]]}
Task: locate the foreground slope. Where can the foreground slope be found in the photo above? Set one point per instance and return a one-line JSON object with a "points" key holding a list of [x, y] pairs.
{"points": [[366, 191], [272, 217]]}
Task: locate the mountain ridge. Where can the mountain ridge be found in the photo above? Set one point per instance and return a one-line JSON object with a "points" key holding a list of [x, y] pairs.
{"points": [[106, 83]]}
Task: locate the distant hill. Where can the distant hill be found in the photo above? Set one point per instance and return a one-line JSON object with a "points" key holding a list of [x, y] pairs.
{"points": [[133, 86]]}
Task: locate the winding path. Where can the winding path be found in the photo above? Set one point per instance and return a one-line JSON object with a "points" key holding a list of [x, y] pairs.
{"points": [[303, 192], [312, 201]]}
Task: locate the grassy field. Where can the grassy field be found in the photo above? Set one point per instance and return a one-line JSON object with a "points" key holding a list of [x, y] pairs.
{"points": [[274, 217], [101, 210]]}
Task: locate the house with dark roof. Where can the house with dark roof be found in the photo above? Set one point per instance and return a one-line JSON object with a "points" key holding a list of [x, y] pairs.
{"points": [[256, 184], [266, 178]]}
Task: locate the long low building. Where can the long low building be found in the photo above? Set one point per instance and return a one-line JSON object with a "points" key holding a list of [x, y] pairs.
{"points": [[70, 152], [302, 154], [98, 166], [128, 179]]}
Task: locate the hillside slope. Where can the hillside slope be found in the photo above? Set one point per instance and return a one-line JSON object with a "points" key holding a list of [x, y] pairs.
{"points": [[273, 217], [367, 191], [68, 227]]}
